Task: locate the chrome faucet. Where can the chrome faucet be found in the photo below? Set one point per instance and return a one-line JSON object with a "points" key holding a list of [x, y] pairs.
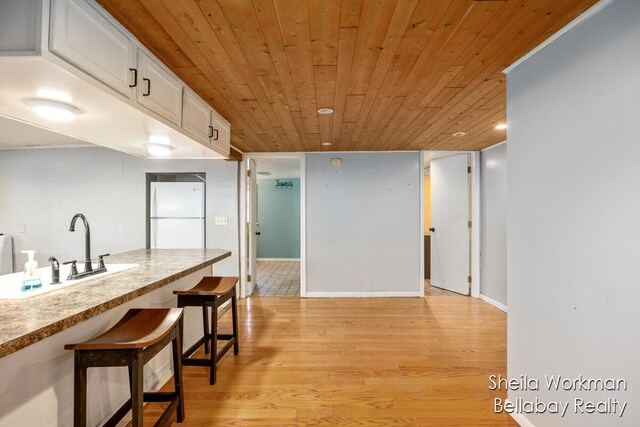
{"points": [[55, 270], [87, 240]]}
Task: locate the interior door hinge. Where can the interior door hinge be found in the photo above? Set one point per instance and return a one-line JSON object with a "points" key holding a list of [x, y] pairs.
{"points": [[469, 279], [249, 174], [468, 169], [469, 223], [248, 278]]}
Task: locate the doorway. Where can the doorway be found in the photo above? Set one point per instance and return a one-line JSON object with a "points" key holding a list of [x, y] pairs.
{"points": [[275, 225], [451, 207]]}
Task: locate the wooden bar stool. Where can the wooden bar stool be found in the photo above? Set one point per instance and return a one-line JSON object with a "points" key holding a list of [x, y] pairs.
{"points": [[211, 292], [132, 342]]}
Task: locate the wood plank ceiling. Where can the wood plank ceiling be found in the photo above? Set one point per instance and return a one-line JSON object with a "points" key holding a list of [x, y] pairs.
{"points": [[400, 74]]}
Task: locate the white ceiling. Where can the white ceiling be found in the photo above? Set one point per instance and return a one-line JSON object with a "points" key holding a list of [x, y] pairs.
{"points": [[278, 167], [17, 134]]}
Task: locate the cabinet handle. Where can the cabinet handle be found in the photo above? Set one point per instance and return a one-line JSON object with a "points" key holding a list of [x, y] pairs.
{"points": [[148, 92], [215, 134], [135, 77], [210, 131]]}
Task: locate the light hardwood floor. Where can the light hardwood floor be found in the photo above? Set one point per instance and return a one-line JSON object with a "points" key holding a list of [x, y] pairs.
{"points": [[354, 362]]}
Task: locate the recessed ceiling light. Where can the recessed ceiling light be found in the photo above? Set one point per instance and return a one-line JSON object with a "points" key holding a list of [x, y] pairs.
{"points": [[501, 126], [159, 139], [158, 150], [325, 110], [159, 146], [458, 134], [264, 173], [55, 95], [53, 110], [326, 143]]}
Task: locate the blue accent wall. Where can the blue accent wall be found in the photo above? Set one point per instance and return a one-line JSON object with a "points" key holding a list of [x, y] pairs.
{"points": [[278, 219]]}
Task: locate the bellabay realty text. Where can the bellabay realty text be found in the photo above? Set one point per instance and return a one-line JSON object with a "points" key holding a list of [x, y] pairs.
{"points": [[557, 383]]}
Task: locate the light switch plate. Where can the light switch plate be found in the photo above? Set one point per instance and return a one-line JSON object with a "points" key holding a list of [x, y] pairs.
{"points": [[222, 220], [22, 228]]}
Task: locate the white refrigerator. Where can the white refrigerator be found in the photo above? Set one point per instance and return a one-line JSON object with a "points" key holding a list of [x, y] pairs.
{"points": [[177, 215]]}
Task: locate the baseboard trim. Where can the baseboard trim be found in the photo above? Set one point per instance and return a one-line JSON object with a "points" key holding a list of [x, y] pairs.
{"points": [[494, 303], [363, 294], [521, 419], [278, 259]]}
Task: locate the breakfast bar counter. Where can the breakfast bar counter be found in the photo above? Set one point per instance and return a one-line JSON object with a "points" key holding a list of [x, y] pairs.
{"points": [[26, 321], [36, 372]]}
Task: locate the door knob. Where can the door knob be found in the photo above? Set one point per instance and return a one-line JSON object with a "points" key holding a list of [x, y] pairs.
{"points": [[432, 229]]}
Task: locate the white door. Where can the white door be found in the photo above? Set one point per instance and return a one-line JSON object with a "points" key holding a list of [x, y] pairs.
{"points": [[177, 200], [252, 213], [83, 37], [158, 90], [450, 216]]}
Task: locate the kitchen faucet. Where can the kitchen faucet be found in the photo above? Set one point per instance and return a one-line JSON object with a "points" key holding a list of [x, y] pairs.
{"points": [[87, 240]]}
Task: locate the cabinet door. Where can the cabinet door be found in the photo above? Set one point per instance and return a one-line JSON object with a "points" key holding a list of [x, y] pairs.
{"points": [[84, 38], [158, 90], [196, 117], [221, 133]]}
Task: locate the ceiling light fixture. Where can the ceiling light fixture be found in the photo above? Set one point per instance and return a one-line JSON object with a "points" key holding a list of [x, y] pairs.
{"points": [[159, 146], [325, 110], [53, 110], [158, 150], [55, 95], [458, 134], [326, 144], [265, 173], [501, 126]]}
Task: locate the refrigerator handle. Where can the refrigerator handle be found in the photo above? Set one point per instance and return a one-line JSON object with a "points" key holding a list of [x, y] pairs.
{"points": [[154, 233], [154, 202]]}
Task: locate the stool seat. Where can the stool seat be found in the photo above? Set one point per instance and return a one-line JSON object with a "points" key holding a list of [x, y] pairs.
{"points": [[211, 286], [132, 342], [210, 293], [139, 328]]}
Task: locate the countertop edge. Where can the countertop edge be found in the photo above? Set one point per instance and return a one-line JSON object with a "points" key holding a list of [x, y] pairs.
{"points": [[40, 334]]}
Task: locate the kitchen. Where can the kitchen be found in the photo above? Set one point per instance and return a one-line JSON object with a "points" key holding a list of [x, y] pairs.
{"points": [[113, 193]]}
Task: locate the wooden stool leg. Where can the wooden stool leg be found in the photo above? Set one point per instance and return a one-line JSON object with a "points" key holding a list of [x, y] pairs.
{"points": [[234, 314], [205, 328], [177, 372], [137, 391], [214, 342], [80, 393]]}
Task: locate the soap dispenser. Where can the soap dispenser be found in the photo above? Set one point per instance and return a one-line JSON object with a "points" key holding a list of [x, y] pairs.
{"points": [[31, 279]]}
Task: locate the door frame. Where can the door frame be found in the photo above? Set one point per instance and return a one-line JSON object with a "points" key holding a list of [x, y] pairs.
{"points": [[475, 214], [244, 254]]}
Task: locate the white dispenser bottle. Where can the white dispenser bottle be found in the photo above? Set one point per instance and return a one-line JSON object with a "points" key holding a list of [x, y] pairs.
{"points": [[31, 279]]}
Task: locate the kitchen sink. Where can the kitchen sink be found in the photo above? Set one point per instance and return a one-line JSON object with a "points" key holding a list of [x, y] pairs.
{"points": [[10, 284]]}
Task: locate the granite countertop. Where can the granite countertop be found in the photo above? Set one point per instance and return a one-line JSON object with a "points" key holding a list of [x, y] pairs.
{"points": [[27, 321]]}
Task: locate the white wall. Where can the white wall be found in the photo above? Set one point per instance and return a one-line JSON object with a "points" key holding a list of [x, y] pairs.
{"points": [[493, 236], [574, 211], [44, 188], [363, 224]]}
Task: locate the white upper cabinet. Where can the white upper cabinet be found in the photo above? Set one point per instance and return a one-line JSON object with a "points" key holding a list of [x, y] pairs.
{"points": [[158, 90], [75, 49], [203, 123], [196, 117], [220, 133], [83, 37]]}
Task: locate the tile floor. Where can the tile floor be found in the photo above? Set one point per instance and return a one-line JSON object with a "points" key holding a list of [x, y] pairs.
{"points": [[278, 279]]}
